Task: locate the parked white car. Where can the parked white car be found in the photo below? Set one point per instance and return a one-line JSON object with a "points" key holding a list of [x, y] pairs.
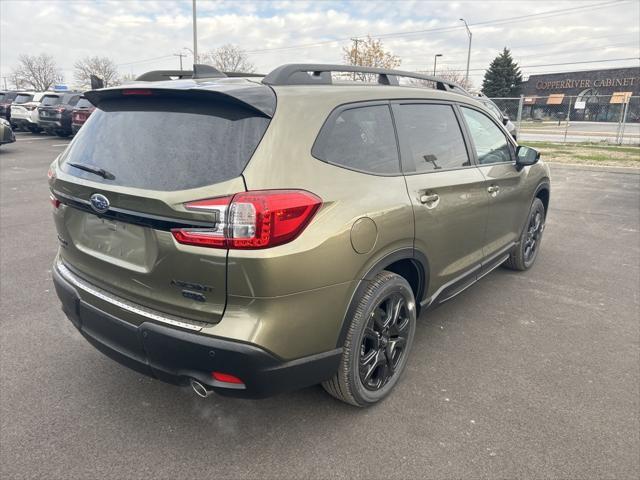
{"points": [[24, 111]]}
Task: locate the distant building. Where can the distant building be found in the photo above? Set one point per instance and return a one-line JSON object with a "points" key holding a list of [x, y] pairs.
{"points": [[594, 95]]}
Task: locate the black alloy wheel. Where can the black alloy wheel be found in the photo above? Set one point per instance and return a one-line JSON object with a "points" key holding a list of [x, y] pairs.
{"points": [[384, 341]]}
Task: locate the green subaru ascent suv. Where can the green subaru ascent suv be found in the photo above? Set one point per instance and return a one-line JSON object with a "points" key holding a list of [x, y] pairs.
{"points": [[251, 235]]}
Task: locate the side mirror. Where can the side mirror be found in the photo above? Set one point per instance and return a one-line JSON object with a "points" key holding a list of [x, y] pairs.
{"points": [[505, 120], [526, 156]]}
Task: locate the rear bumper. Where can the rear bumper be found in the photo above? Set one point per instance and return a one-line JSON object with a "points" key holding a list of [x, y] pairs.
{"points": [[19, 120], [175, 355], [50, 123]]}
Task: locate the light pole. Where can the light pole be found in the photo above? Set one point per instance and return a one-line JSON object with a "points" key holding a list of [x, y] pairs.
{"points": [[466, 78], [195, 35], [179, 55], [435, 62]]}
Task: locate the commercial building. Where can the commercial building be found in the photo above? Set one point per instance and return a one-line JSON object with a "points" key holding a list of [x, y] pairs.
{"points": [[591, 95]]}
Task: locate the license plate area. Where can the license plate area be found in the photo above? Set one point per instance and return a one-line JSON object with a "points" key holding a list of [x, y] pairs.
{"points": [[123, 244]]}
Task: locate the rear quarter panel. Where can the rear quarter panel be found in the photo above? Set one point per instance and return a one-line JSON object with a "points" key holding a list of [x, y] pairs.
{"points": [[317, 272]]}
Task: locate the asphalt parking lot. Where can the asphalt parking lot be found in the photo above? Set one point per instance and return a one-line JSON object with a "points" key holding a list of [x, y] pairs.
{"points": [[528, 375]]}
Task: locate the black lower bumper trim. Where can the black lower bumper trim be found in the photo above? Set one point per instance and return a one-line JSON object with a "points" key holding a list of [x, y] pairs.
{"points": [[175, 355]]}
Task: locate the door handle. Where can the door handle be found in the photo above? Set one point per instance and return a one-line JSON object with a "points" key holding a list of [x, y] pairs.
{"points": [[493, 190], [430, 198]]}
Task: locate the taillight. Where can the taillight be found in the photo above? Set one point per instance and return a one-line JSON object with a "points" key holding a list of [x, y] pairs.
{"points": [[252, 220], [54, 201], [59, 109], [30, 107], [137, 91], [206, 237]]}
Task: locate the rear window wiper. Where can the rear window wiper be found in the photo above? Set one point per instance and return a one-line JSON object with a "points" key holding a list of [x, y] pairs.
{"points": [[95, 170]]}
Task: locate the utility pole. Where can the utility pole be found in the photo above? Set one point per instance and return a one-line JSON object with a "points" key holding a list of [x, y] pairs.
{"points": [[355, 56], [466, 78], [179, 55], [435, 62], [195, 35]]}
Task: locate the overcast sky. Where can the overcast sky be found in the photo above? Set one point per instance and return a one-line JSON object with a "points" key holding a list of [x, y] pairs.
{"points": [[142, 35]]}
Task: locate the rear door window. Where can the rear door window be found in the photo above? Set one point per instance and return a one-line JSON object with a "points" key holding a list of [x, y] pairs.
{"points": [[360, 138], [166, 144], [433, 136]]}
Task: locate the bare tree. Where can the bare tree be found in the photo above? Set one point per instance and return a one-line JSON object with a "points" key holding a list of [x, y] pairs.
{"points": [[456, 76], [39, 72], [369, 53], [229, 58], [452, 75], [128, 78], [101, 67]]}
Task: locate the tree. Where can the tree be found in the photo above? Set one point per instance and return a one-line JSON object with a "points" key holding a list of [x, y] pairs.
{"points": [[503, 78], [128, 78], [229, 58], [101, 67], [39, 72], [369, 53]]}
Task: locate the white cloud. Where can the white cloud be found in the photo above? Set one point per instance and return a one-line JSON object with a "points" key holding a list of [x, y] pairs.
{"points": [[135, 33]]}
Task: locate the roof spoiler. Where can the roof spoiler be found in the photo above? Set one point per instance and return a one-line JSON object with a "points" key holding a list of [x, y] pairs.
{"points": [[199, 71], [257, 98]]}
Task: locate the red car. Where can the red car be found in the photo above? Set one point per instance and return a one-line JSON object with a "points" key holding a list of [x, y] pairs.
{"points": [[81, 112]]}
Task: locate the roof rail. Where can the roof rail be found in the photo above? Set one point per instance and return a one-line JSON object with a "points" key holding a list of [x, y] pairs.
{"points": [[320, 74], [243, 74], [199, 71]]}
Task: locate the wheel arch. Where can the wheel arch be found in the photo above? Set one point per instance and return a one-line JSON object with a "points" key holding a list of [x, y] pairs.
{"points": [[409, 263], [543, 192]]}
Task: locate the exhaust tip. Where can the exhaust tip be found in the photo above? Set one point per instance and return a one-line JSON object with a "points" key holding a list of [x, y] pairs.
{"points": [[200, 389]]}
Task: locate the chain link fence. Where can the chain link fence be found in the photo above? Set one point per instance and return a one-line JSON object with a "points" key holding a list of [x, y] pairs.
{"points": [[609, 119]]}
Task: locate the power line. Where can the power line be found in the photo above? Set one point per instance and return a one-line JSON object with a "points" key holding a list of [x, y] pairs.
{"points": [[143, 60], [556, 64], [443, 29], [517, 57]]}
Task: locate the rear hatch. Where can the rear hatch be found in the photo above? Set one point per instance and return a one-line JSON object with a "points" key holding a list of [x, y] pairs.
{"points": [[159, 149], [81, 111], [19, 105], [48, 108]]}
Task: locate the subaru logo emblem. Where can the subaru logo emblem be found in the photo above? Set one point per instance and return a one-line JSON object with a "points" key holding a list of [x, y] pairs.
{"points": [[99, 203]]}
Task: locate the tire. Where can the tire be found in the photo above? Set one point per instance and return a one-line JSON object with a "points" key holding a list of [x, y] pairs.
{"points": [[525, 253], [63, 133], [374, 355], [35, 129]]}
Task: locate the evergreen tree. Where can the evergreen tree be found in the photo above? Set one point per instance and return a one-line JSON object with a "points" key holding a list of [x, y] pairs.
{"points": [[503, 79]]}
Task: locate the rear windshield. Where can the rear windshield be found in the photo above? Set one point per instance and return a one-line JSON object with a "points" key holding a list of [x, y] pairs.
{"points": [[50, 100], [23, 98], [8, 96], [83, 103], [168, 144]]}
